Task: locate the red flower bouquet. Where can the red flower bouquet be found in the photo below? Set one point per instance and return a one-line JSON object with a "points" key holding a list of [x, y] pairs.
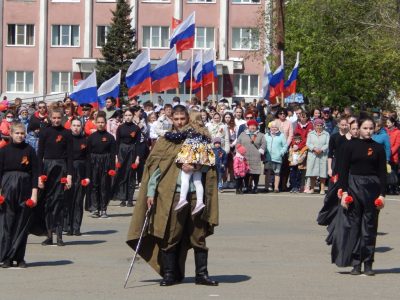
{"points": [[29, 203], [112, 173], [63, 180], [84, 182]]}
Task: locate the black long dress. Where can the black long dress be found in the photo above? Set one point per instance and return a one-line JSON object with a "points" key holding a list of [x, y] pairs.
{"points": [[55, 161], [128, 134], [18, 176], [364, 178], [101, 151], [76, 194], [331, 200]]}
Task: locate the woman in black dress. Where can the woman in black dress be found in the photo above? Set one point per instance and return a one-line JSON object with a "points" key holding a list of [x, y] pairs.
{"points": [[19, 181], [101, 151], [55, 169], [128, 134], [363, 183], [76, 194]]}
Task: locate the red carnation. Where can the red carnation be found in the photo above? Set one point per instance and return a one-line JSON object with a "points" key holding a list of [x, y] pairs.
{"points": [[2, 199], [63, 180], [29, 203], [340, 193], [134, 166], [335, 178], [378, 202], [348, 199], [84, 182], [112, 173], [43, 178], [118, 165]]}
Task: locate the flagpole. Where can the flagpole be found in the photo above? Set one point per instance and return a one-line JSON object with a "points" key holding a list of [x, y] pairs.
{"points": [[282, 94], [191, 74], [297, 60]]}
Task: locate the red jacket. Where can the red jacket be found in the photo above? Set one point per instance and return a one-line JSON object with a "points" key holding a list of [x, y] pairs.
{"points": [[394, 137], [303, 130]]}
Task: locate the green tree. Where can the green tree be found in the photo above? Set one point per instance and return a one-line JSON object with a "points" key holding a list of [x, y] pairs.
{"points": [[349, 50], [120, 48]]}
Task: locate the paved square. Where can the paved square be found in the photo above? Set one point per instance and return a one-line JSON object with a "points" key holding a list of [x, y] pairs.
{"points": [[268, 246]]}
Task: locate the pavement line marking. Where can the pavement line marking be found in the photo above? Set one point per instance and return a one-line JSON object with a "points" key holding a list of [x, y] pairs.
{"points": [[305, 196]]}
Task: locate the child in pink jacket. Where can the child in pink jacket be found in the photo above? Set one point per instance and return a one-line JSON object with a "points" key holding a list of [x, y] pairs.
{"points": [[240, 167]]}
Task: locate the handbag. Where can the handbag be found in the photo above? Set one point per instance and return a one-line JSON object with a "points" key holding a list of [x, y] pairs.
{"points": [[391, 178]]}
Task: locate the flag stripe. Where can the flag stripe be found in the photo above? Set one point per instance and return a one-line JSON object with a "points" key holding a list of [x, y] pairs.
{"points": [[166, 83]]}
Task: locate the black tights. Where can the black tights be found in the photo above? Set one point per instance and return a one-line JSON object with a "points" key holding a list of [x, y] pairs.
{"points": [[251, 177]]}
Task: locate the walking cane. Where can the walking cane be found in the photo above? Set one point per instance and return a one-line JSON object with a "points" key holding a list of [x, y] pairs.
{"points": [[146, 221]]}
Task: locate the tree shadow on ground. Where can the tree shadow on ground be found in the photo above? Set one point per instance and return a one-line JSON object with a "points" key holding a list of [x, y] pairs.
{"points": [[93, 242], [388, 271], [100, 232], [382, 233], [53, 263], [383, 249]]}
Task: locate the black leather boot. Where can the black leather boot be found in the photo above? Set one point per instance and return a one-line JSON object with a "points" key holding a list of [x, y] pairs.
{"points": [[200, 259], [356, 270], [169, 261], [368, 269], [60, 241], [49, 240]]}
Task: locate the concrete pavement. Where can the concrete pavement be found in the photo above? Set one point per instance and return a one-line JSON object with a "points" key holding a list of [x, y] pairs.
{"points": [[268, 246]]}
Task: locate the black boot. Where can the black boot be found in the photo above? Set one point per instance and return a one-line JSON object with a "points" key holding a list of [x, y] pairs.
{"points": [[368, 269], [200, 259], [49, 240], [169, 261], [356, 270], [60, 242]]}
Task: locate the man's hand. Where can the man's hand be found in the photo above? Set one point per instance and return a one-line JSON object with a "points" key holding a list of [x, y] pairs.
{"points": [[330, 172], [383, 202], [40, 183], [68, 185], [150, 202], [343, 201]]}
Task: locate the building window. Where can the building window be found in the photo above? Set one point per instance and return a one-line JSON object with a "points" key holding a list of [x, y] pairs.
{"points": [[245, 85], [245, 39], [65, 0], [65, 35], [204, 37], [246, 1], [156, 1], [102, 32], [19, 81], [21, 34], [61, 82], [156, 36], [201, 1]]}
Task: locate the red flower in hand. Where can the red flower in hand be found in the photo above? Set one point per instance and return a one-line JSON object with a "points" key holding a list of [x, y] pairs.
{"points": [[348, 199], [63, 180], [378, 202], [134, 166], [118, 165], [112, 173], [2, 199], [340, 193], [84, 182], [335, 178], [29, 203], [43, 178]]}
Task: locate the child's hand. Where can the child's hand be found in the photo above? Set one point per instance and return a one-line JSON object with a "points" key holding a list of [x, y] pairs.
{"points": [[295, 147]]}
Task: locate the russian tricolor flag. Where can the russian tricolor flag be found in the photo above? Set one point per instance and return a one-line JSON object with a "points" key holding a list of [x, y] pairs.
{"points": [[277, 81], [266, 81], [86, 90], [184, 70], [165, 75], [197, 72], [183, 35], [138, 77], [291, 83], [209, 67], [109, 88]]}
